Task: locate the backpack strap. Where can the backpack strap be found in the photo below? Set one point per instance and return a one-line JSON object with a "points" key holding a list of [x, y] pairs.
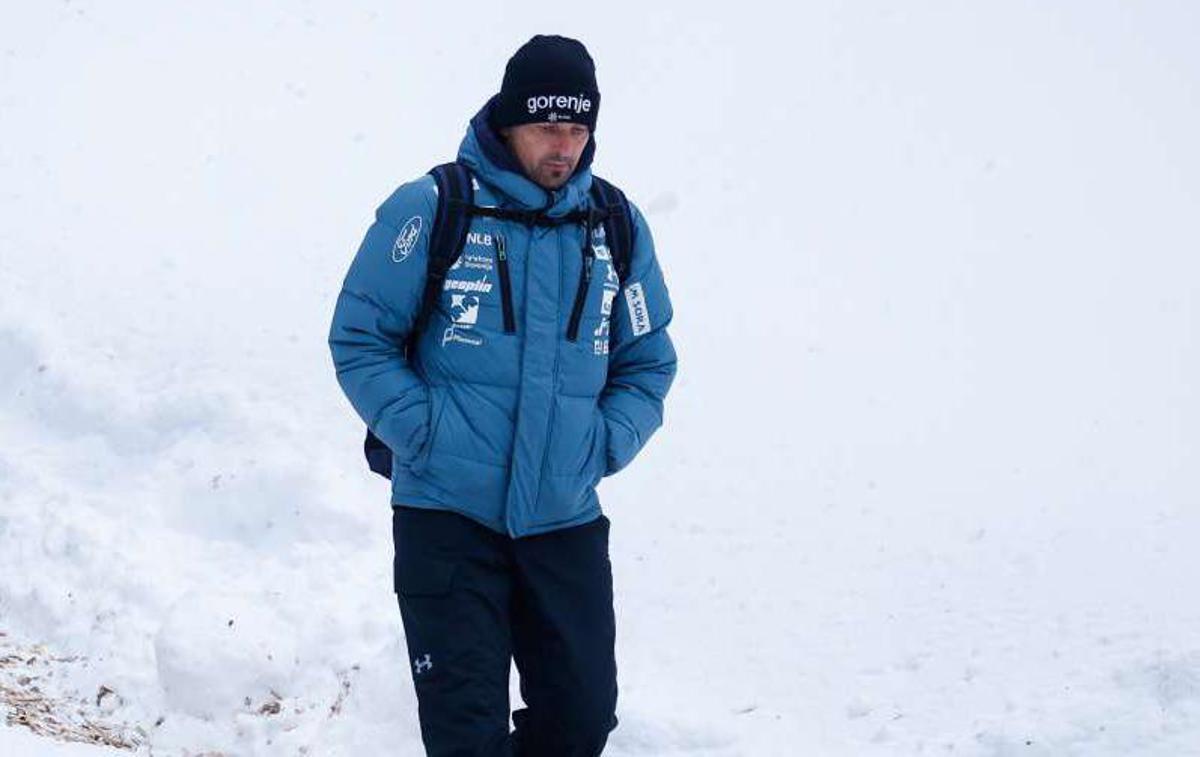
{"points": [[529, 217], [451, 223], [618, 223]]}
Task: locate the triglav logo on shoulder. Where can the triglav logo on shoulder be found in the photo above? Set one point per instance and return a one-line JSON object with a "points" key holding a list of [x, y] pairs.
{"points": [[407, 239], [561, 107]]}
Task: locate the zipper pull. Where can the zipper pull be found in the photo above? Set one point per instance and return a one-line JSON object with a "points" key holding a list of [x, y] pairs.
{"points": [[585, 281], [510, 319]]}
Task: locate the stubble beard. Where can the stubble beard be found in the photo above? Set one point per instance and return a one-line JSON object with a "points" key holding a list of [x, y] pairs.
{"points": [[552, 174]]}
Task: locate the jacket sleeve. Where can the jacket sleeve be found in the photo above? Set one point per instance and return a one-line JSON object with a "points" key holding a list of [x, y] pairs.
{"points": [[641, 357], [376, 309]]}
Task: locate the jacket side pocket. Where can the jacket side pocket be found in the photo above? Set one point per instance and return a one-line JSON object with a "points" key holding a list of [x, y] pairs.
{"points": [[437, 399]]}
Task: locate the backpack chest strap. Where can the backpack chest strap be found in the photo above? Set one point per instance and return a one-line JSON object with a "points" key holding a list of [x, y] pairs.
{"points": [[535, 217]]}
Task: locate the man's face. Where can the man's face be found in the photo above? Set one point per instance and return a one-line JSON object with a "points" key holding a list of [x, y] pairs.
{"points": [[548, 152]]}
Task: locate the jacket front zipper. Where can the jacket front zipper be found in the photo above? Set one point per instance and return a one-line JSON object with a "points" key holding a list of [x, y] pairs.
{"points": [[585, 280], [510, 325]]}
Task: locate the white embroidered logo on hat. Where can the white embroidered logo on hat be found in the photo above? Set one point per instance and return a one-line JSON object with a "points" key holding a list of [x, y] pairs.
{"points": [[571, 103]]}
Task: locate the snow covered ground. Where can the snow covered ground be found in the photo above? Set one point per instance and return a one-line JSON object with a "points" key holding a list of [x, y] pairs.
{"points": [[18, 742], [930, 478]]}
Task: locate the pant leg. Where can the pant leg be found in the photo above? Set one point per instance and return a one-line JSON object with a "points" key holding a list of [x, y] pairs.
{"points": [[564, 635], [454, 584]]}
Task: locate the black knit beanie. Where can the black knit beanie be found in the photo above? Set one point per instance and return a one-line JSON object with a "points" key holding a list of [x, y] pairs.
{"points": [[549, 79]]}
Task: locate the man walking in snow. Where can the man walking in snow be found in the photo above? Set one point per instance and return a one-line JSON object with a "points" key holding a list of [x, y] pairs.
{"points": [[540, 366]]}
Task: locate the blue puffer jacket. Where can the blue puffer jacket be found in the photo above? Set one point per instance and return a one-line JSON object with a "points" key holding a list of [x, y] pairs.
{"points": [[511, 429]]}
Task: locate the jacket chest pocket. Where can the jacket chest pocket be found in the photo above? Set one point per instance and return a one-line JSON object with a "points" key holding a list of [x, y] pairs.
{"points": [[596, 310], [478, 293], [585, 369]]}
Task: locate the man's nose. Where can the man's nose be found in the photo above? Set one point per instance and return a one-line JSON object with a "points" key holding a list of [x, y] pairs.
{"points": [[562, 142]]}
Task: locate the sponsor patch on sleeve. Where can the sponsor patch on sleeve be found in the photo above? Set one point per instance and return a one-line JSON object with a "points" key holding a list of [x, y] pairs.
{"points": [[407, 239], [639, 314]]}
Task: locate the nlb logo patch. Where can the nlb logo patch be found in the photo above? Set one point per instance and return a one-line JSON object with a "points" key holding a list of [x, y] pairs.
{"points": [[407, 240], [639, 314]]}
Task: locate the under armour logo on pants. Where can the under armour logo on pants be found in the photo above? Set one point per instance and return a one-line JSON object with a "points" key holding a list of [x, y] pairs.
{"points": [[421, 665]]}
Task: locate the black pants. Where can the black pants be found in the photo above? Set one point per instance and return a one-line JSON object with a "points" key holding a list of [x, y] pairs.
{"points": [[472, 600]]}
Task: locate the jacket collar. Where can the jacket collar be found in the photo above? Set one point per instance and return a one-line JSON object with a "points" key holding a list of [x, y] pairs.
{"points": [[485, 153]]}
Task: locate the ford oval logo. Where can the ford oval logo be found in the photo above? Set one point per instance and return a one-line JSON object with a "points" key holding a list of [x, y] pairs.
{"points": [[407, 239]]}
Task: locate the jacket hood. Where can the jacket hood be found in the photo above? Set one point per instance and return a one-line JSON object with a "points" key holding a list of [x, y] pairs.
{"points": [[485, 153]]}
